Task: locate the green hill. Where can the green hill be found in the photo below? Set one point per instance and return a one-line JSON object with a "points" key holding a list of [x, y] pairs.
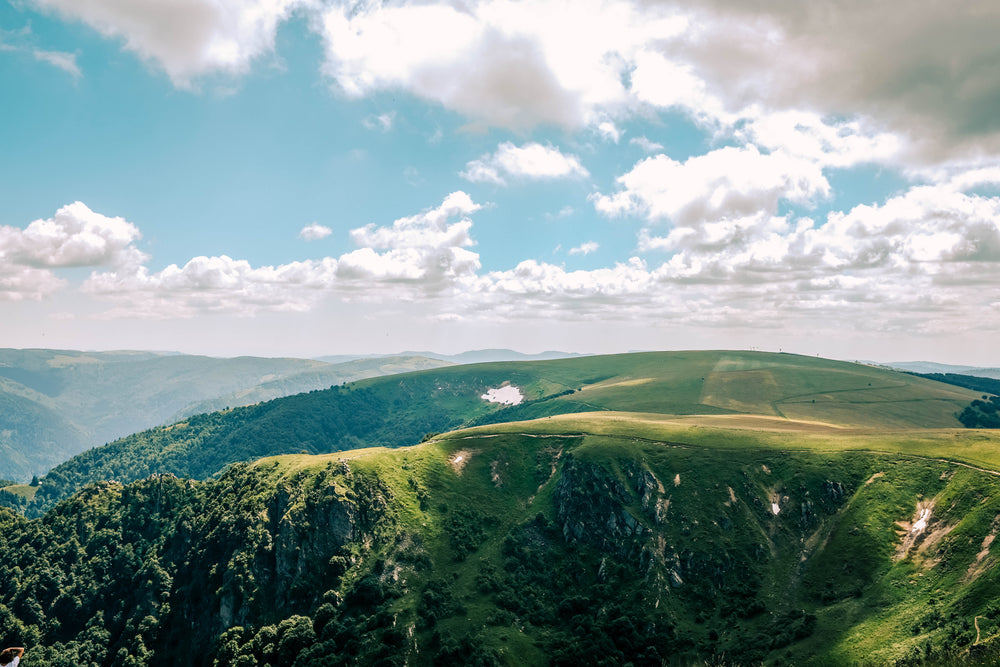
{"points": [[399, 410], [602, 538], [57, 403]]}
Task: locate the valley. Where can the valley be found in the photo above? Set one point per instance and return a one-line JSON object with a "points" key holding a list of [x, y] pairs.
{"points": [[689, 508]]}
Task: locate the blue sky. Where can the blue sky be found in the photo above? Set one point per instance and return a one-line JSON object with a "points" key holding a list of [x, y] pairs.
{"points": [[308, 177]]}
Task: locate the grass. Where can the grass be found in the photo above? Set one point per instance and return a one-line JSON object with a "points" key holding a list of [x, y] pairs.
{"points": [[24, 490], [977, 448], [720, 474]]}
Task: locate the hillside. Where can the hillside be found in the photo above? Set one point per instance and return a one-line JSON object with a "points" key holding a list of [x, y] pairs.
{"points": [[595, 538], [57, 403], [400, 410]]}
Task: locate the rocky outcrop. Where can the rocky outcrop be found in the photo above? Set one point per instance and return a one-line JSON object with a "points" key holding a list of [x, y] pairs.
{"points": [[591, 509]]}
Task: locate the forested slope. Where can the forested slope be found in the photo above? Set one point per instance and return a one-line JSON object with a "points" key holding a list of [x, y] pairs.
{"points": [[507, 548]]}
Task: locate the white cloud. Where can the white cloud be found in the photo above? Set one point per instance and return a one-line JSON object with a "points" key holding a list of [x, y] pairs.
{"points": [[645, 144], [511, 64], [64, 61], [186, 38], [24, 283], [828, 142], [418, 256], [530, 161], [585, 248], [426, 248], [212, 284], [75, 236], [314, 231], [726, 183], [925, 83], [610, 131]]}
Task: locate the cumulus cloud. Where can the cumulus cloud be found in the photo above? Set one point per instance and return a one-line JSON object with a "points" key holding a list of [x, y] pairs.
{"points": [[530, 161], [828, 142], [314, 232], [24, 283], [510, 64], [212, 284], [427, 248], [914, 262], [726, 183], [186, 38], [927, 80], [610, 131], [417, 256], [74, 237]]}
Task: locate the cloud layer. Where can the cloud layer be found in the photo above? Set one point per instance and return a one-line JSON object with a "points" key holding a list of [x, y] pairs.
{"points": [[922, 259], [927, 76]]}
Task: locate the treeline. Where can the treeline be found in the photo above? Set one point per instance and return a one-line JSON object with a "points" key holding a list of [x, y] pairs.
{"points": [[981, 413], [976, 383]]}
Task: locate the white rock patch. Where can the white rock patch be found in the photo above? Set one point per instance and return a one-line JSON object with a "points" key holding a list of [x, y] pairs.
{"points": [[508, 395], [775, 508]]}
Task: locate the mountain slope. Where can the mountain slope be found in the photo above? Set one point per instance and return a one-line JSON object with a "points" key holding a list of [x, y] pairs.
{"points": [[399, 410], [79, 400], [524, 544]]}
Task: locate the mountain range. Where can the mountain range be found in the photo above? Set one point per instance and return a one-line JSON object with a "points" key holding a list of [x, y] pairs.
{"points": [[57, 403], [717, 507], [725, 508]]}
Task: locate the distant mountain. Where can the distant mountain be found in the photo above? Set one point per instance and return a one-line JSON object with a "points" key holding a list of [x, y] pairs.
{"points": [[470, 357], [57, 403], [928, 367]]}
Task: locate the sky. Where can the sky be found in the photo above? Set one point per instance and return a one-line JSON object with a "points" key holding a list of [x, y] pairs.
{"points": [[318, 177]]}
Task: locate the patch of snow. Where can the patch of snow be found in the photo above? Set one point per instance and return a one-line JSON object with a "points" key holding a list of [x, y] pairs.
{"points": [[508, 395], [921, 522], [677, 479], [775, 508], [458, 459]]}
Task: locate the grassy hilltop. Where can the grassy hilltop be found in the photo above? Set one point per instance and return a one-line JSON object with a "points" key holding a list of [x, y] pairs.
{"points": [[725, 508], [401, 409]]}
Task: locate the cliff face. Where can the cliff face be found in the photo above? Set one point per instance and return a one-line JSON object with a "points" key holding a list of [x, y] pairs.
{"points": [[511, 549]]}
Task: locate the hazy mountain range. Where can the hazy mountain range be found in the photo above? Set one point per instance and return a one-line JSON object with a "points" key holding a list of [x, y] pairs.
{"points": [[57, 403]]}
